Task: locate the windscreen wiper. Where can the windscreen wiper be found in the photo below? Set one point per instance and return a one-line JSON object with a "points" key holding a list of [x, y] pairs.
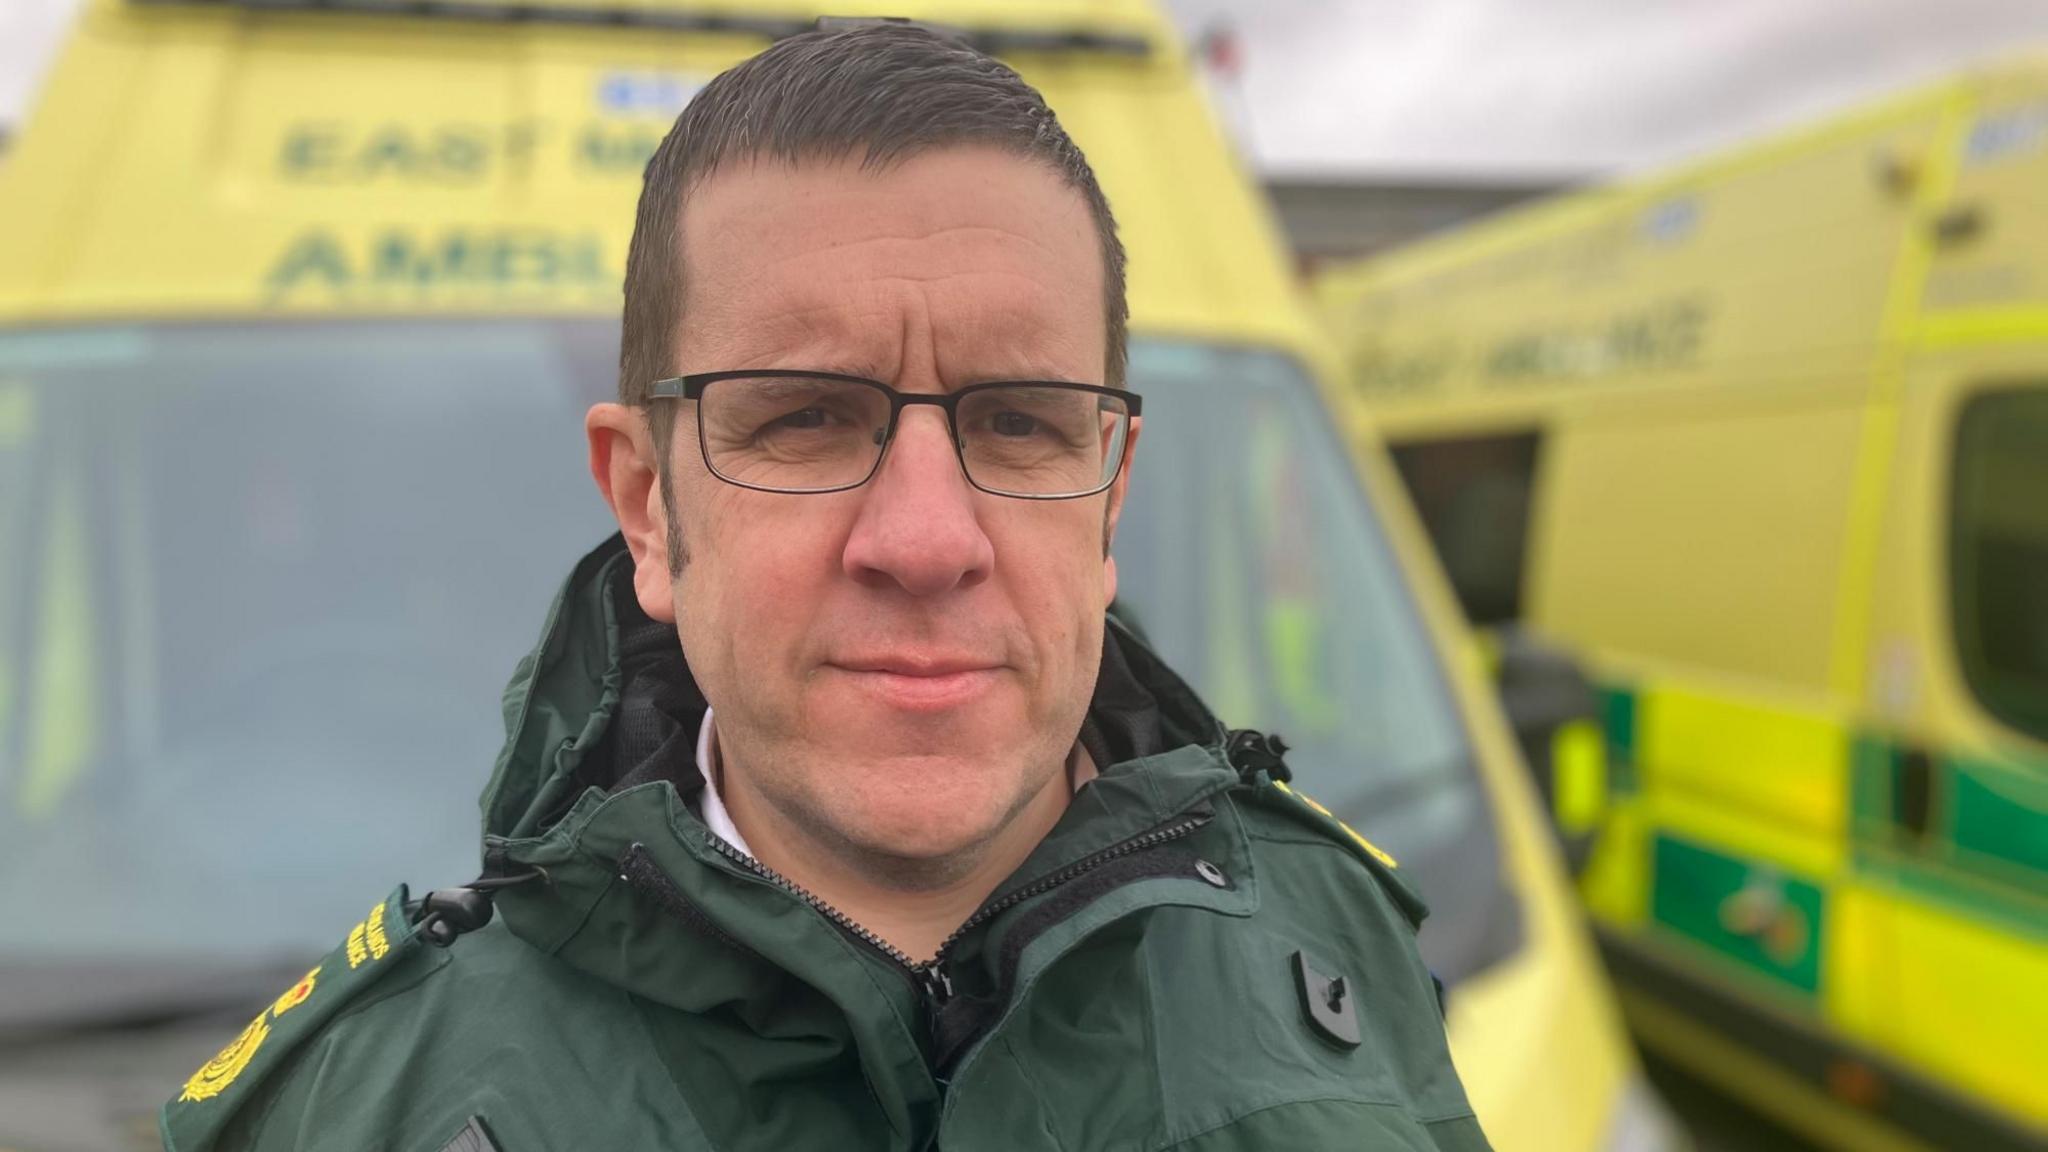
{"points": [[995, 41]]}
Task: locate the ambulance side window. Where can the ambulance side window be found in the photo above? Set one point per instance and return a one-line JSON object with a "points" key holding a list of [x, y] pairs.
{"points": [[1999, 554], [1473, 495]]}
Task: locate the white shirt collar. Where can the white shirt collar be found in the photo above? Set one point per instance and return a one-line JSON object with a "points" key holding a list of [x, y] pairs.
{"points": [[715, 815], [1080, 770]]}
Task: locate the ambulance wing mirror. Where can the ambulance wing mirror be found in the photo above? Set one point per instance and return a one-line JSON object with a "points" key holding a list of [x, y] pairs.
{"points": [[1555, 713]]}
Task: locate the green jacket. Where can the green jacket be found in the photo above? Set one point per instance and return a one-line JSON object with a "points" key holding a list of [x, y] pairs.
{"points": [[1158, 974]]}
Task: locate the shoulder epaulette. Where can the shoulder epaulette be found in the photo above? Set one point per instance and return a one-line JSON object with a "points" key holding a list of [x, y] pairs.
{"points": [[212, 1095], [1305, 809]]}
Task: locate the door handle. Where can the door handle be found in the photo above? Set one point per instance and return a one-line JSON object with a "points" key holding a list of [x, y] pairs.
{"points": [[1913, 792]]}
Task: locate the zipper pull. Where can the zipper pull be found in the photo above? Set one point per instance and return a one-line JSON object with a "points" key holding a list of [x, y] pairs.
{"points": [[935, 986], [935, 989]]}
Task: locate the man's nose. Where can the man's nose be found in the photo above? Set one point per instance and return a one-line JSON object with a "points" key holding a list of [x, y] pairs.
{"points": [[918, 527]]}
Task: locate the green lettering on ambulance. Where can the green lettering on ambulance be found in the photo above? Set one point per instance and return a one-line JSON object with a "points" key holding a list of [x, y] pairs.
{"points": [[395, 259], [390, 151], [315, 256], [461, 154], [625, 149], [310, 152]]}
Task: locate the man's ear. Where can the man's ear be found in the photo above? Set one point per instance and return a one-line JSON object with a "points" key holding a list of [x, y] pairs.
{"points": [[1115, 509], [623, 462]]}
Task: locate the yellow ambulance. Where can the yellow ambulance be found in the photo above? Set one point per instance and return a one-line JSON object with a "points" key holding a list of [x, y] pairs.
{"points": [[1753, 458], [297, 302]]}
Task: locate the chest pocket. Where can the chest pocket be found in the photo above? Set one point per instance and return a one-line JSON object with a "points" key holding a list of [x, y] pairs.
{"points": [[1184, 1031]]}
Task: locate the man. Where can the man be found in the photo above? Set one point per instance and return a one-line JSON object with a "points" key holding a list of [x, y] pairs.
{"points": [[834, 812]]}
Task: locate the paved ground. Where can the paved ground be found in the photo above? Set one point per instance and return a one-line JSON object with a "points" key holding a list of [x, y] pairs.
{"points": [[1717, 1123]]}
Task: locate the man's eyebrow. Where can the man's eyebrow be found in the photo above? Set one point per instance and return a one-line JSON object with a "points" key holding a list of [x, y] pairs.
{"points": [[863, 368], [870, 370], [797, 360], [1024, 371]]}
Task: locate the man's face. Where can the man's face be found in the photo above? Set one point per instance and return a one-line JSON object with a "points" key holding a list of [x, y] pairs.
{"points": [[896, 669]]}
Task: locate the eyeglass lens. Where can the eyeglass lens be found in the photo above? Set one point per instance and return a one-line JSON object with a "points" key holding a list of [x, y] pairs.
{"points": [[807, 434]]}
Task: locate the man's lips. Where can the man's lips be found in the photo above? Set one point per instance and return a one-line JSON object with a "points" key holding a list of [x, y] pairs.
{"points": [[916, 664], [920, 683]]}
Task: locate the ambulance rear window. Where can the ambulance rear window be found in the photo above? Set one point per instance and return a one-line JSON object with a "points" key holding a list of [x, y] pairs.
{"points": [[1473, 496], [1999, 554]]}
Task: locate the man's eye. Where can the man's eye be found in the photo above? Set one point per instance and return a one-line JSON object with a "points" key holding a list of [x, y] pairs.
{"points": [[812, 417], [1013, 424]]}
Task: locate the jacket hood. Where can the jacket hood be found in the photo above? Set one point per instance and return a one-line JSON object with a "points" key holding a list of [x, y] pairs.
{"points": [[605, 702]]}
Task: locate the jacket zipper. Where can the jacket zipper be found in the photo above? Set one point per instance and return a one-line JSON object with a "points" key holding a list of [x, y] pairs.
{"points": [[845, 922], [929, 977]]}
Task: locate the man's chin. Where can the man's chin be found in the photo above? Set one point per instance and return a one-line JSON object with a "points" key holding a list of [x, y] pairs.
{"points": [[923, 838], [917, 813]]}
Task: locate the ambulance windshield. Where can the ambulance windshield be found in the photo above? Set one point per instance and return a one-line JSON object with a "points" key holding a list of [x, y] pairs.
{"points": [[261, 586]]}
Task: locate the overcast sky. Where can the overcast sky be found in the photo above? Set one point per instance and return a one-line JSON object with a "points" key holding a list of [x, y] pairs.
{"points": [[1571, 86], [1508, 88]]}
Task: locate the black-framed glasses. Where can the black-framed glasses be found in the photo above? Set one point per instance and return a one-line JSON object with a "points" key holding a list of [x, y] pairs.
{"points": [[778, 430]]}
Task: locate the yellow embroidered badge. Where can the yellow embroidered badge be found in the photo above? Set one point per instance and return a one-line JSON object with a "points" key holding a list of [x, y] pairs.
{"points": [[219, 1072], [367, 941], [1362, 842], [295, 995], [378, 944]]}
